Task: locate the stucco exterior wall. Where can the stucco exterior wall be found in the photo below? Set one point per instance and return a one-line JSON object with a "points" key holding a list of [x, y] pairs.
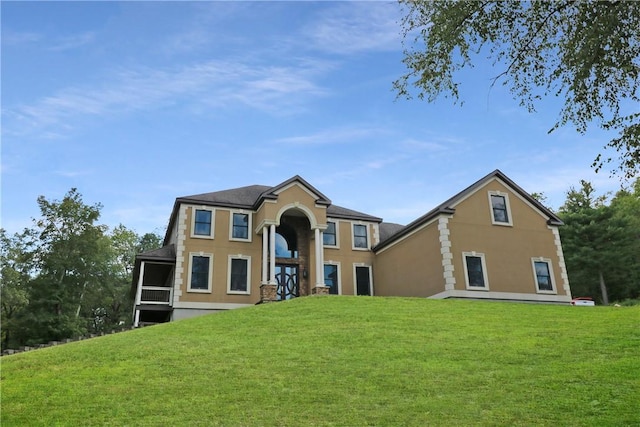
{"points": [[346, 257], [412, 266], [508, 249]]}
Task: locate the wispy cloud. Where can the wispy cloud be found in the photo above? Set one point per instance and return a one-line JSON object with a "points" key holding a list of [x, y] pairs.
{"points": [[73, 41], [357, 27], [17, 38], [332, 136], [220, 84]]}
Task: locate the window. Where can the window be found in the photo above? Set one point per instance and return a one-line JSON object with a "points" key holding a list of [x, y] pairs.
{"points": [[475, 271], [239, 274], [330, 236], [360, 236], [331, 278], [240, 226], [202, 223], [200, 272], [500, 211], [543, 275]]}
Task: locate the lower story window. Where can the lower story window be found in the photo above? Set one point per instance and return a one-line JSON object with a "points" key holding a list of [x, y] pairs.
{"points": [[331, 278], [544, 278], [475, 270], [200, 273], [239, 275]]}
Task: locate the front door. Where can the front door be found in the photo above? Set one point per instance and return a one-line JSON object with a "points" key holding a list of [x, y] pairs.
{"points": [[287, 280]]}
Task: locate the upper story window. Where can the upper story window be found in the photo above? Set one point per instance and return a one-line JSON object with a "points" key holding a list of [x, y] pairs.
{"points": [[500, 209], [200, 273], [240, 226], [239, 274], [475, 271], [360, 237], [543, 275], [202, 223], [330, 235]]}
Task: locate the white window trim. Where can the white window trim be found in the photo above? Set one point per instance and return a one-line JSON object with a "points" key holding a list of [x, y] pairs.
{"points": [[553, 290], [507, 205], [209, 275], [353, 236], [484, 271], [337, 225], [339, 274], [355, 277], [249, 226], [193, 222], [248, 259]]}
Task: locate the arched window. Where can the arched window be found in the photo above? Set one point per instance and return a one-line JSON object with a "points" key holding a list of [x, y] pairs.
{"points": [[286, 242]]}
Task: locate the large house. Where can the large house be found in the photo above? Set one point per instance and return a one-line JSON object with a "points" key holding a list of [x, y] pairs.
{"points": [[255, 244]]}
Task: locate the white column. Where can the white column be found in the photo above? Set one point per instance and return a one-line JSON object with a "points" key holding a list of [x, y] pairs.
{"points": [[265, 254], [272, 248], [319, 267], [136, 312]]}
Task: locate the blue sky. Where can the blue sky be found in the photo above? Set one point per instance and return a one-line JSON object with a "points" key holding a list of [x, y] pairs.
{"points": [[137, 103]]}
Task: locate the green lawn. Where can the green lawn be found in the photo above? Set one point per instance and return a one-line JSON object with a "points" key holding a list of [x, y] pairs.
{"points": [[343, 361]]}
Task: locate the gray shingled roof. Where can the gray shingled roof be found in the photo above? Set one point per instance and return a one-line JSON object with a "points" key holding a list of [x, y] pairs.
{"points": [[242, 197], [250, 196], [165, 253], [388, 229]]}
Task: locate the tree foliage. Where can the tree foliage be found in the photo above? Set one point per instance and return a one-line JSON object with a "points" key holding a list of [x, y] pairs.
{"points": [[68, 275], [601, 243], [586, 52]]}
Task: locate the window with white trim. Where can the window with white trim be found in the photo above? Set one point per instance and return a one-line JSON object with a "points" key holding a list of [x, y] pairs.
{"points": [[240, 226], [475, 271], [330, 235], [332, 277], [360, 236], [500, 209], [543, 275], [239, 277], [200, 272], [202, 221]]}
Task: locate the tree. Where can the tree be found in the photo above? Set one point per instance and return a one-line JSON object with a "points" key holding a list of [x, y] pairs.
{"points": [[71, 258], [16, 265], [585, 52], [601, 245]]}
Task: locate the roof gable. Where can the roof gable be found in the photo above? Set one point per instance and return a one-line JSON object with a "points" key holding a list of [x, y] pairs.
{"points": [[273, 192], [448, 206]]}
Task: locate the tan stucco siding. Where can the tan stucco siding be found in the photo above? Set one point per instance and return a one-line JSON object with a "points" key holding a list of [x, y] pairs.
{"points": [[220, 247], [508, 250], [293, 197], [411, 267], [345, 256]]}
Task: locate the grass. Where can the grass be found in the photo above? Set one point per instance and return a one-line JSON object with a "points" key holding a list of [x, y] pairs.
{"points": [[343, 361]]}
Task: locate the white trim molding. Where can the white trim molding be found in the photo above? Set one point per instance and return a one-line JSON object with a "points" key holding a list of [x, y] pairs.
{"points": [[547, 261], [338, 274], [483, 264], [336, 224], [209, 272], [563, 267], [194, 210], [507, 296], [246, 258], [249, 215], [507, 206], [353, 236], [445, 252]]}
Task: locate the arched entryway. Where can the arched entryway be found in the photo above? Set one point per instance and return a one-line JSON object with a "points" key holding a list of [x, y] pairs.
{"points": [[292, 240]]}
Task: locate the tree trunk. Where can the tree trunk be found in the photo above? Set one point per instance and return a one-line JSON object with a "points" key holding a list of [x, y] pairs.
{"points": [[603, 289]]}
